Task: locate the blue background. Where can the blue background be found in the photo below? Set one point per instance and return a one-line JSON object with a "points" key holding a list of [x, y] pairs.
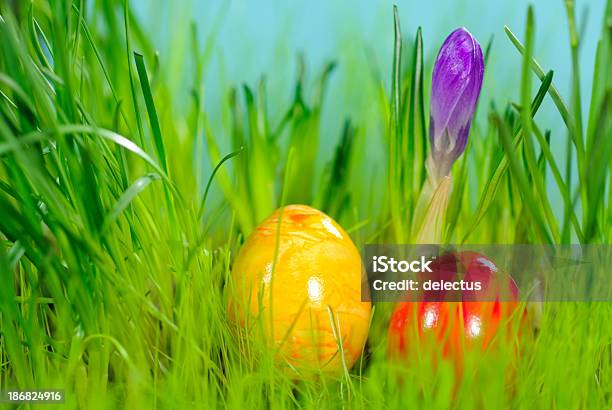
{"points": [[246, 39]]}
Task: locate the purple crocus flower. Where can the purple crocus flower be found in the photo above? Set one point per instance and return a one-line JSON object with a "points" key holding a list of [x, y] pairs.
{"points": [[456, 82]]}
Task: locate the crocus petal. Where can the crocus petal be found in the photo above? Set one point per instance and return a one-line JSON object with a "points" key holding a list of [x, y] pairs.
{"points": [[456, 84]]}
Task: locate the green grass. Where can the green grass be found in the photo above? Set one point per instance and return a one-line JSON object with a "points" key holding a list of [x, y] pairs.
{"points": [[115, 261]]}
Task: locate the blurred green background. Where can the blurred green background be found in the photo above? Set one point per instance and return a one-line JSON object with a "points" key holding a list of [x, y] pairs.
{"points": [[248, 39]]}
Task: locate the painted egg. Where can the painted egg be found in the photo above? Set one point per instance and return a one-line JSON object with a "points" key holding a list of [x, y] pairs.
{"points": [[474, 321], [300, 275]]}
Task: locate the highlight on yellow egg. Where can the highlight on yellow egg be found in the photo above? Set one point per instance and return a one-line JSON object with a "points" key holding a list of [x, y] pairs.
{"points": [[299, 276]]}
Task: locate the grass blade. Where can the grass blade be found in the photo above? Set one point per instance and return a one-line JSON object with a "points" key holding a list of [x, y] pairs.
{"points": [[490, 190], [554, 93], [126, 198], [153, 119], [526, 121], [395, 137], [417, 138], [212, 176]]}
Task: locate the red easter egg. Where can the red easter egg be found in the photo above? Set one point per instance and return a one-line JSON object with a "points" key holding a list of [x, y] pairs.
{"points": [[472, 320]]}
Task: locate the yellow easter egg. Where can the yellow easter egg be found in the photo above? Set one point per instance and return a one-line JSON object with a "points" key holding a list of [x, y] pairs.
{"points": [[309, 299]]}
